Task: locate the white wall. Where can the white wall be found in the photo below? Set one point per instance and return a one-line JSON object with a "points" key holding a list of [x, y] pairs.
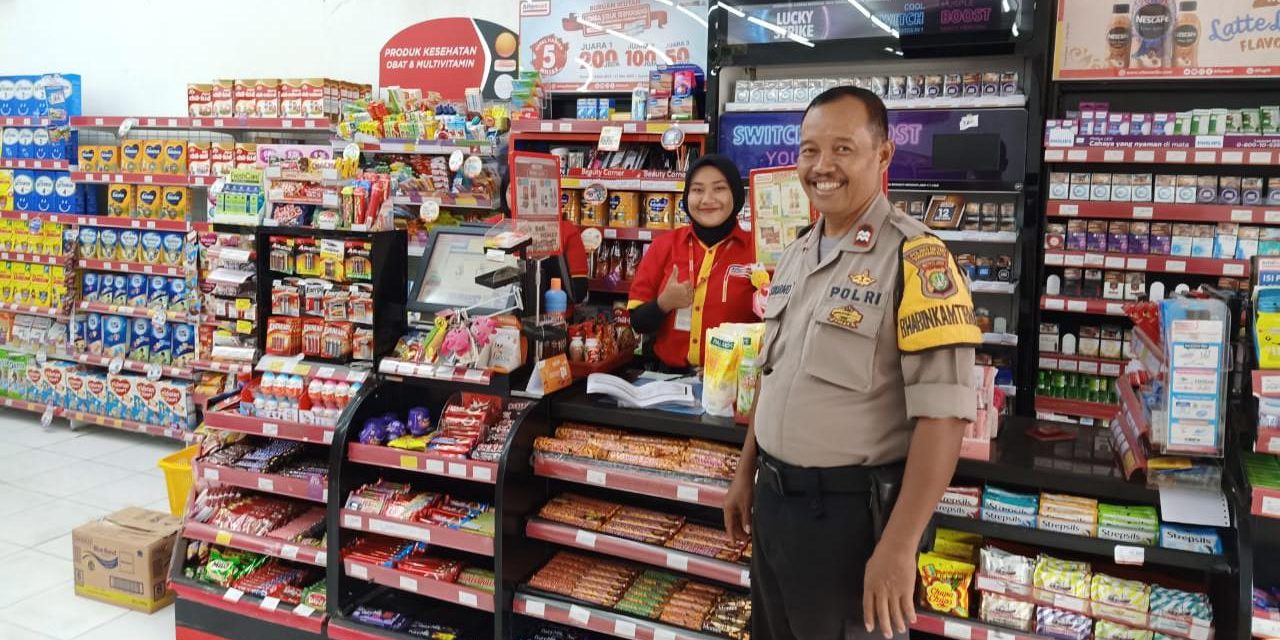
{"points": [[135, 57]]}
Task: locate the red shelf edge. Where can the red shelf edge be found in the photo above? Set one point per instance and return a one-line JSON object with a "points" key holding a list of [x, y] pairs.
{"points": [[476, 543], [312, 624], [380, 456], [256, 544], [435, 589], [633, 481]]}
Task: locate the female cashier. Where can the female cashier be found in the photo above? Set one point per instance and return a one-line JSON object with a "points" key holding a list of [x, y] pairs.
{"points": [[696, 277]]}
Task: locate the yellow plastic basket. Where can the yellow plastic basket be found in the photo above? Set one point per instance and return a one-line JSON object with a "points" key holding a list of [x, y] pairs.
{"points": [[178, 477]]}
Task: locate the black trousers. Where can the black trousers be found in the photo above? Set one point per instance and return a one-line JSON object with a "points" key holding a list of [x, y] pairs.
{"points": [[808, 555]]}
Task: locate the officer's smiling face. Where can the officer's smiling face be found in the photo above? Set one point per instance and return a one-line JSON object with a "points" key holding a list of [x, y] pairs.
{"points": [[710, 198], [842, 157]]}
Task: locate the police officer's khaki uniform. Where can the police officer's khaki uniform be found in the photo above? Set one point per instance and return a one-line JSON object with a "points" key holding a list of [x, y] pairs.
{"points": [[857, 345]]}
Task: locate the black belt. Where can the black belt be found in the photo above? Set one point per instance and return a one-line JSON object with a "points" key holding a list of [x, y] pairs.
{"points": [[791, 480]]}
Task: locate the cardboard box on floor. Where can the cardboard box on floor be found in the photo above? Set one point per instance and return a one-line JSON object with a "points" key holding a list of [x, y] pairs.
{"points": [[123, 558]]}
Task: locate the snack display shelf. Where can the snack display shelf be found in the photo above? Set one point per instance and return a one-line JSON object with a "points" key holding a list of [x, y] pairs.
{"points": [[1098, 547], [986, 286], [164, 179], [634, 234], [461, 202], [476, 543], [127, 425], [575, 405], [31, 258], [31, 309], [255, 544], [607, 285], [962, 629], [440, 373], [1000, 339], [1163, 211], [1081, 364], [1268, 441], [693, 564], [985, 237], [230, 421], [1151, 263], [264, 482], [1266, 624], [440, 590], [125, 223], [298, 367], [14, 121], [278, 173], [649, 127], [1266, 383], [129, 268], [902, 104], [478, 147], [612, 623], [1020, 460], [1265, 502], [1096, 306], [20, 163], [299, 617], [64, 218], [1082, 408], [218, 366], [424, 462], [133, 365], [237, 122], [1182, 626], [651, 483], [133, 311], [1188, 155]]}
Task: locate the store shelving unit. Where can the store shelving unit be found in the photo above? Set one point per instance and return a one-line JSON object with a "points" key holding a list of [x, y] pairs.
{"points": [[592, 618]]}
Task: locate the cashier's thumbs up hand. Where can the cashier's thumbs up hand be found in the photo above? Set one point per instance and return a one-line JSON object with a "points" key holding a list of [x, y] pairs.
{"points": [[675, 294]]}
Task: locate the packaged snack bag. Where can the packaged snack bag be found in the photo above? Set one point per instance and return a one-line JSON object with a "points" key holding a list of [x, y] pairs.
{"points": [[944, 584]]}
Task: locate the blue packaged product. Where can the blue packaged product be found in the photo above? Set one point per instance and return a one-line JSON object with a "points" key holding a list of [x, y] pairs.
{"points": [[1009, 501], [1189, 538], [172, 248], [158, 292], [24, 190], [40, 144], [66, 194], [106, 288], [137, 290], [44, 196], [91, 194], [9, 142], [93, 333], [119, 289], [24, 92], [26, 143], [89, 286], [161, 347], [128, 244], [108, 243], [115, 336], [139, 340], [178, 298], [7, 104], [182, 344]]}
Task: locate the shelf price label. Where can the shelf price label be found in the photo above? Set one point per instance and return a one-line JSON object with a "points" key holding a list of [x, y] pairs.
{"points": [[1128, 554], [535, 608], [624, 629], [579, 614]]}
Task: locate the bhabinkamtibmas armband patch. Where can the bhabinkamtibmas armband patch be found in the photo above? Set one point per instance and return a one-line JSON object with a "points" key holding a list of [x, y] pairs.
{"points": [[936, 309]]}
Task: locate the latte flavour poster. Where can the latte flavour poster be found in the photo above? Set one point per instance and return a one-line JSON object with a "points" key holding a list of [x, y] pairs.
{"points": [[1137, 39]]}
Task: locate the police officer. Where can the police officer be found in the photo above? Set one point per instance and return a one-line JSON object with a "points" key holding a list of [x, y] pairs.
{"points": [[868, 362]]}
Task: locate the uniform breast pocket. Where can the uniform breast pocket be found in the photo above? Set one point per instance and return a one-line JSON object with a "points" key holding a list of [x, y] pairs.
{"points": [[841, 348], [773, 309]]}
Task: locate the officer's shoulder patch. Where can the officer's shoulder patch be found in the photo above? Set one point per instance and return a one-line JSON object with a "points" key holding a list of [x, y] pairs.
{"points": [[935, 308]]}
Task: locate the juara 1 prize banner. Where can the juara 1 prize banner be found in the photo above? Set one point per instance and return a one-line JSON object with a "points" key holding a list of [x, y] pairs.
{"points": [[609, 45], [1167, 39]]}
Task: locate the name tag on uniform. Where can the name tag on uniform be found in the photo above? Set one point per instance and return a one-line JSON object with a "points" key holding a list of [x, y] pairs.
{"points": [[684, 319]]}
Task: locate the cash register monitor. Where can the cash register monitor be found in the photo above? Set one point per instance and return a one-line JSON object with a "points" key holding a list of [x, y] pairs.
{"points": [[454, 257]]}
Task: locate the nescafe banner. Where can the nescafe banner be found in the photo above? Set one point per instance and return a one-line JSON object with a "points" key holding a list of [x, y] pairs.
{"points": [[451, 55]]}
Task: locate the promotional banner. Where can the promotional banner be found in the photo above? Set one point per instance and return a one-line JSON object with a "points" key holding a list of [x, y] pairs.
{"points": [[820, 20], [449, 56], [936, 148], [609, 45], [1167, 39], [536, 207]]}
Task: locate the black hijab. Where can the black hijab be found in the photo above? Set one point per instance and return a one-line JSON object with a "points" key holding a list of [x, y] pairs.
{"points": [[710, 236]]}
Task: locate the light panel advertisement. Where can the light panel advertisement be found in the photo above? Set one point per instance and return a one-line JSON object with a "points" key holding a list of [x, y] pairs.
{"points": [[609, 45], [1167, 39], [821, 20]]}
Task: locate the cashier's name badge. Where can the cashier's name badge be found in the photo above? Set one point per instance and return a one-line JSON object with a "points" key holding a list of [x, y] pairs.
{"points": [[684, 319]]}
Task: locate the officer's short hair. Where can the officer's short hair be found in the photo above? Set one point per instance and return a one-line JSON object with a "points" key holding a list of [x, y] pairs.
{"points": [[877, 114]]}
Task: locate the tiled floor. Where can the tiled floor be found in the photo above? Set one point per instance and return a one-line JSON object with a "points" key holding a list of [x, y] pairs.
{"points": [[51, 481]]}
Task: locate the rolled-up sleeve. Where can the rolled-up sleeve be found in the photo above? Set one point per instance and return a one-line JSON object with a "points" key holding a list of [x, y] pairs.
{"points": [[939, 383]]}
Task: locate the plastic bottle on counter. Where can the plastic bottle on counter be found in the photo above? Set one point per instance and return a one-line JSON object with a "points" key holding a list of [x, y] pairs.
{"points": [[555, 302]]}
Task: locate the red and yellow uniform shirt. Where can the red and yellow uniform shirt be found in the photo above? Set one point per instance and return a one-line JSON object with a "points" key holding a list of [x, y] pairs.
{"points": [[723, 277]]}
